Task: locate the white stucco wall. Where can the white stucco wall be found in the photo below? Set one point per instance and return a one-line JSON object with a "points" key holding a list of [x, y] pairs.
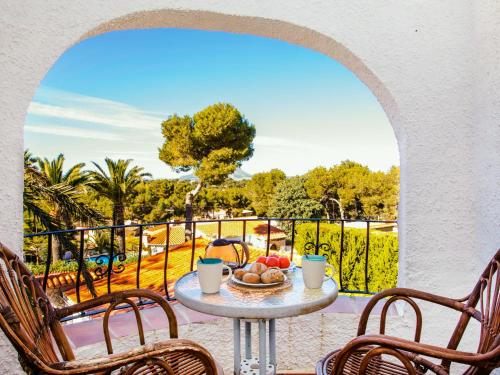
{"points": [[434, 66]]}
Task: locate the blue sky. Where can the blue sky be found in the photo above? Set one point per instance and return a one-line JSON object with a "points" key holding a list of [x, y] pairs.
{"points": [[108, 95]]}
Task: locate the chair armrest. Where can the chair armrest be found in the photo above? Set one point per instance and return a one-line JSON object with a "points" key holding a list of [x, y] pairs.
{"points": [[116, 298], [406, 295], [176, 356], [394, 344]]}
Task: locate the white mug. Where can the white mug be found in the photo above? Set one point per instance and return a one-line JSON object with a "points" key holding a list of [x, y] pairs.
{"points": [[210, 274], [313, 270]]}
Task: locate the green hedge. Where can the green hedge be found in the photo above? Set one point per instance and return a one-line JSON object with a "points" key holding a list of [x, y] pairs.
{"points": [[382, 255], [56, 267], [72, 266]]}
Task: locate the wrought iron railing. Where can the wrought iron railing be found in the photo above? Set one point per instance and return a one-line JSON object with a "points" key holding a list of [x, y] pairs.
{"points": [[108, 266]]}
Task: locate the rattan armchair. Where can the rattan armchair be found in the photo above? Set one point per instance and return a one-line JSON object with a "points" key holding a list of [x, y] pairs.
{"points": [[386, 355], [33, 327]]}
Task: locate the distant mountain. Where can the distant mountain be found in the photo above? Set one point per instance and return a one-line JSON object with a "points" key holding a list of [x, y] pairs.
{"points": [[238, 175]]}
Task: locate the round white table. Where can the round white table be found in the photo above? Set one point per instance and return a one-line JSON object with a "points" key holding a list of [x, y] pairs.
{"points": [[256, 305]]}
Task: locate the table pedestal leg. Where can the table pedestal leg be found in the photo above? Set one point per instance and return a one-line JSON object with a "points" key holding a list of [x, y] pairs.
{"points": [[237, 346], [262, 347], [272, 343], [260, 365], [248, 340]]}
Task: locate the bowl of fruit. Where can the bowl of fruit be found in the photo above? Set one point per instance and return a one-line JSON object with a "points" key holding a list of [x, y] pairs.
{"points": [[258, 275], [274, 260]]}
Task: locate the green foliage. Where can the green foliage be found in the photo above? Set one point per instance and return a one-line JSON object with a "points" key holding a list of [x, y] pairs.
{"points": [[159, 200], [291, 200], [382, 255], [53, 170], [100, 242], [261, 188], [97, 201], [150, 202], [353, 191], [212, 143], [117, 184], [229, 197], [61, 266], [163, 199], [35, 247], [56, 267], [51, 197]]}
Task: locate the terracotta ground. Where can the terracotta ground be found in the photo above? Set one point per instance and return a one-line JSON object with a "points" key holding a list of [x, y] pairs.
{"points": [[151, 275]]}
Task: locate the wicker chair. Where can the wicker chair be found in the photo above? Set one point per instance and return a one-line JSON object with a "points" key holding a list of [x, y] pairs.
{"points": [[368, 354], [33, 327]]}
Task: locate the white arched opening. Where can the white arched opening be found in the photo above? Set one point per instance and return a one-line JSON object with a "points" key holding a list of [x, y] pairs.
{"points": [[418, 57]]}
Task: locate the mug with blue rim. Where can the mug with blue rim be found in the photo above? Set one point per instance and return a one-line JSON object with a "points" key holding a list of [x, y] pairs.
{"points": [[313, 270], [210, 274]]}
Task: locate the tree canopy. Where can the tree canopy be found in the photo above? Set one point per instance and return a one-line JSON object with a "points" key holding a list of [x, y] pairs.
{"points": [[352, 190], [117, 184], [212, 143], [51, 189], [291, 200], [261, 188]]}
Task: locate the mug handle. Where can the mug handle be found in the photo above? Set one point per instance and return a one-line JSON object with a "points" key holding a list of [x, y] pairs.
{"points": [[227, 277], [328, 265]]}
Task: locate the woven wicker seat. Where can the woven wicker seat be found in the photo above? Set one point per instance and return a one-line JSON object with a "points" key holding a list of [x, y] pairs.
{"points": [[385, 355], [33, 327], [352, 366]]}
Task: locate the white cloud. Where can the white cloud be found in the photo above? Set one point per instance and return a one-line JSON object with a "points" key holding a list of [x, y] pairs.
{"points": [[71, 132], [70, 106], [286, 144]]}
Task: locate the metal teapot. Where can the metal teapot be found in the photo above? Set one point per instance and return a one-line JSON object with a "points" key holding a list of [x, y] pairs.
{"points": [[227, 251]]}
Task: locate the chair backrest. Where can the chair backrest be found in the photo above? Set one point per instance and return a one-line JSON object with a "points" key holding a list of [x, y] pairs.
{"points": [[26, 316], [483, 304]]}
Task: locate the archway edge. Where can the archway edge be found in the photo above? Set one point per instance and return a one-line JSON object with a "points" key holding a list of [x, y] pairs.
{"points": [[259, 26]]}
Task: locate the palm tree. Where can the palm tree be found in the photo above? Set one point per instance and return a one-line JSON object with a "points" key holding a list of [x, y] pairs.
{"points": [[117, 184], [35, 189], [53, 171], [71, 185], [40, 194]]}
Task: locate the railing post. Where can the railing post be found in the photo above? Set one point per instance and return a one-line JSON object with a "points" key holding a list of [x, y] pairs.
{"points": [[219, 229], [317, 237], [244, 230], [341, 252], [47, 263], [366, 254], [193, 245], [165, 263], [110, 258], [268, 246], [80, 265], [293, 240], [138, 272]]}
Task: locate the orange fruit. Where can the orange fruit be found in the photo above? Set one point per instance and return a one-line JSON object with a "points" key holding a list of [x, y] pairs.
{"points": [[284, 262], [273, 262]]}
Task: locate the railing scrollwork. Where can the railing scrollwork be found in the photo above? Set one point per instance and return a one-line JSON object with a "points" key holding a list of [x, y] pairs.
{"points": [[102, 262]]}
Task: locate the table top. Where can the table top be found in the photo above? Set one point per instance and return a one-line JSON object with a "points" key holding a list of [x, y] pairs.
{"points": [[256, 303]]}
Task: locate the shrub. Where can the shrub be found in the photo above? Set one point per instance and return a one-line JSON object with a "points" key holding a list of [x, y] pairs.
{"points": [[72, 266], [56, 267], [382, 255]]}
